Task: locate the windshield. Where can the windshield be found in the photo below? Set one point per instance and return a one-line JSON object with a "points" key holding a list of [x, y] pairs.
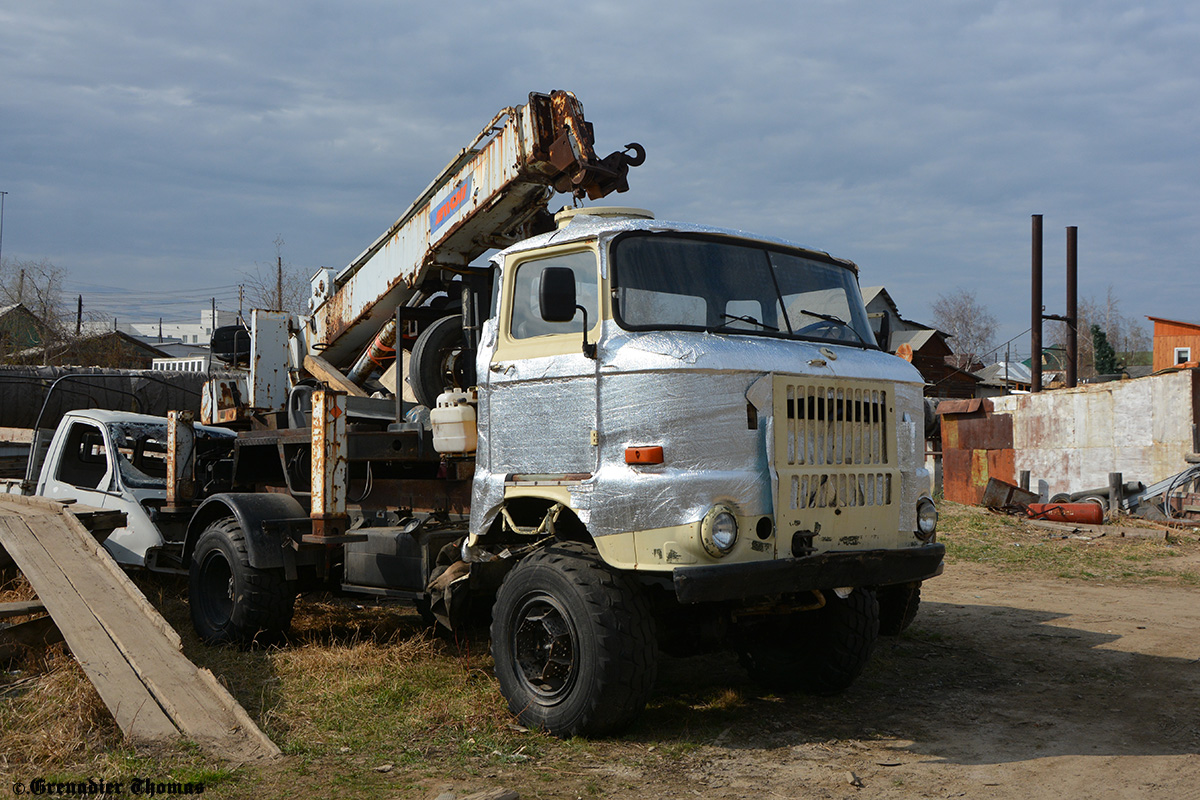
{"points": [[141, 453], [685, 282]]}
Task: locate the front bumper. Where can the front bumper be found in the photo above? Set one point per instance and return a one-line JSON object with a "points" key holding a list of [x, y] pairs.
{"points": [[822, 571]]}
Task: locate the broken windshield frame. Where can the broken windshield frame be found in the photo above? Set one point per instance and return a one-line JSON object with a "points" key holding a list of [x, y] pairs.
{"points": [[702, 282]]}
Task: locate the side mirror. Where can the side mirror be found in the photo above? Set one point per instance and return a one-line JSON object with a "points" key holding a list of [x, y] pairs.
{"points": [[557, 302], [556, 295]]}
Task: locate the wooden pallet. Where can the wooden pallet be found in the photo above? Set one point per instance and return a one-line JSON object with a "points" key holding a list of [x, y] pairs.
{"points": [[129, 652]]}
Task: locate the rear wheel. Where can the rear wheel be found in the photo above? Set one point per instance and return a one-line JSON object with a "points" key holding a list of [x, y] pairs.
{"points": [[573, 642], [232, 602], [819, 652], [897, 608]]}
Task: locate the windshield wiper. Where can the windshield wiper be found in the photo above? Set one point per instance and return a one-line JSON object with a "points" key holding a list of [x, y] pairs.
{"points": [[834, 319], [750, 320]]}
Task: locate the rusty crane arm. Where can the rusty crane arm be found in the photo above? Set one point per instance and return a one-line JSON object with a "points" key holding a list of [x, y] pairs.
{"points": [[494, 193]]}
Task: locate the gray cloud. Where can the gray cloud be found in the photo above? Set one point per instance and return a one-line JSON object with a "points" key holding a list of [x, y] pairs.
{"points": [[171, 143]]}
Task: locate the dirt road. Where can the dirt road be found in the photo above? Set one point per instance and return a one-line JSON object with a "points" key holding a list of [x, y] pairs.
{"points": [[1006, 687]]}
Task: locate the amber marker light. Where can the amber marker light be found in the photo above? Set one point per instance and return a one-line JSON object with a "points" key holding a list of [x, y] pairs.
{"points": [[644, 455]]}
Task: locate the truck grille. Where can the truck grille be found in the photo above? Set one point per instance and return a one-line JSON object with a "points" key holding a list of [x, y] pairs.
{"points": [[836, 425], [840, 490], [835, 452]]}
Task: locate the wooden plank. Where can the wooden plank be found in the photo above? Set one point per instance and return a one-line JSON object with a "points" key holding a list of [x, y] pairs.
{"points": [[101, 556], [132, 706], [86, 583], [21, 608], [34, 634], [327, 372], [172, 679], [17, 435]]}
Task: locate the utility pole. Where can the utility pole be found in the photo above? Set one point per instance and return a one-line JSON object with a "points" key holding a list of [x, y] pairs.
{"points": [[279, 283], [2, 194], [79, 317]]}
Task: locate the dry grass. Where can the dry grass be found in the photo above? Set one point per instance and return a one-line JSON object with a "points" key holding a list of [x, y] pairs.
{"points": [[360, 686], [975, 534], [51, 715]]}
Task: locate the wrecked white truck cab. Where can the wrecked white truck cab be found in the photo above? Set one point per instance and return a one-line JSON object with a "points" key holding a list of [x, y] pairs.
{"points": [[725, 432], [118, 461]]}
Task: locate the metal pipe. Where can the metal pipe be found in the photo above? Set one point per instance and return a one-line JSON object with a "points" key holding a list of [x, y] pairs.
{"points": [[1035, 333], [1072, 306], [381, 349]]}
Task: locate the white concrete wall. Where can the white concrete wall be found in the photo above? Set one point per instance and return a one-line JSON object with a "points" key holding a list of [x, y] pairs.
{"points": [[1072, 438]]}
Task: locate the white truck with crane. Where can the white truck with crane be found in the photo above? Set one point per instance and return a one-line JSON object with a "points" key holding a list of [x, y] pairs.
{"points": [[629, 435]]}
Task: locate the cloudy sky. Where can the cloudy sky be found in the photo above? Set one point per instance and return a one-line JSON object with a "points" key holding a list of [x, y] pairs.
{"points": [[156, 150]]}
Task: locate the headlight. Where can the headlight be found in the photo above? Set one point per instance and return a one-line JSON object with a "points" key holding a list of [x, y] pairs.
{"points": [[927, 519], [719, 531]]}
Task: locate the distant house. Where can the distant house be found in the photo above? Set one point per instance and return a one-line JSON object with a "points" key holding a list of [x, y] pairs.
{"points": [[113, 349], [1004, 377], [20, 329], [1175, 342], [929, 351]]}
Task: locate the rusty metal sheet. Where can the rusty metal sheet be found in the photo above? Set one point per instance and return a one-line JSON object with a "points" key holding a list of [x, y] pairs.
{"points": [[960, 406], [956, 474], [1001, 465], [1004, 496], [988, 432], [950, 440]]}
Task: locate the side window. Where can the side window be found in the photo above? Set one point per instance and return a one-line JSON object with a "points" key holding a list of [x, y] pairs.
{"points": [[526, 321], [84, 459]]}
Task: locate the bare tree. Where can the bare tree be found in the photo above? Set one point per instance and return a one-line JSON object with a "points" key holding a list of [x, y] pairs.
{"points": [[971, 327], [277, 286], [1127, 335], [37, 285]]}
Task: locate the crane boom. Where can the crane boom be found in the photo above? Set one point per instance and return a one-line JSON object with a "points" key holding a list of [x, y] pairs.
{"points": [[495, 192]]}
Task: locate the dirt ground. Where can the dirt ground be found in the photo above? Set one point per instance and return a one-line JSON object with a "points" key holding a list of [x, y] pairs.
{"points": [[1007, 686]]}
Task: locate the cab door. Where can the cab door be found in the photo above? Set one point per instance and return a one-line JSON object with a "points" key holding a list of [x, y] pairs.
{"points": [[541, 387]]}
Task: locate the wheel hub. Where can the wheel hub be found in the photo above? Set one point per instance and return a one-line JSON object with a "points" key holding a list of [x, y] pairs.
{"points": [[544, 647]]}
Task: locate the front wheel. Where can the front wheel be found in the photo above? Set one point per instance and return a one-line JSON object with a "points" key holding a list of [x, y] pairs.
{"points": [[573, 642], [232, 602]]}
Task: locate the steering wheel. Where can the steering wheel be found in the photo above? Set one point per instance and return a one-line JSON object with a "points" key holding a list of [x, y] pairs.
{"points": [[824, 329]]}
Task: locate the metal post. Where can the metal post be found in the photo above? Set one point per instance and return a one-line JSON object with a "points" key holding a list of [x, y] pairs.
{"points": [[329, 466], [79, 317], [1116, 487], [181, 464], [1035, 334], [1072, 307]]}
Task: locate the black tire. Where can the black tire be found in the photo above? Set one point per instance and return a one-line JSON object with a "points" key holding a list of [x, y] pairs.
{"points": [[437, 361], [573, 642], [818, 652], [232, 602], [897, 608]]}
